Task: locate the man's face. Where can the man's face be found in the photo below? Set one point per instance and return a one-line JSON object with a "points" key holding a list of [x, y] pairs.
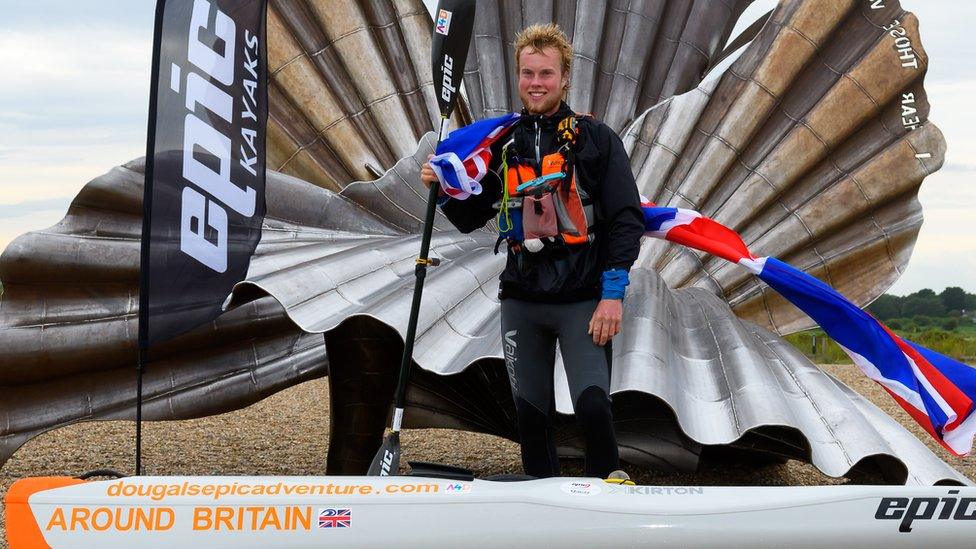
{"points": [[541, 80]]}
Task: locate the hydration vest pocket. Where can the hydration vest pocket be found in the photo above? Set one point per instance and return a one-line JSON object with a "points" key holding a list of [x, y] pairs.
{"points": [[555, 208], [510, 221], [539, 218]]}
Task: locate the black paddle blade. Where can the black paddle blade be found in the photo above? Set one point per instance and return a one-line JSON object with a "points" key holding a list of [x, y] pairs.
{"points": [[386, 462], [453, 22]]}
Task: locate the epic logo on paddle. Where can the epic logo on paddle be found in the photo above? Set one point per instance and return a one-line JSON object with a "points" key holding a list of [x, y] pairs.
{"points": [[447, 89]]}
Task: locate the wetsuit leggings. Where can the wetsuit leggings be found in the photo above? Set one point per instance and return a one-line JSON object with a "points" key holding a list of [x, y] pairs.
{"points": [[529, 335]]}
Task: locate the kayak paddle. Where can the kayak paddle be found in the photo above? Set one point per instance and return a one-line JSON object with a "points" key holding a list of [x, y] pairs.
{"points": [[453, 23]]}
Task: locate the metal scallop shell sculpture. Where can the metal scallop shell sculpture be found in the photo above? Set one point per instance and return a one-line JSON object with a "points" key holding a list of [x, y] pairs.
{"points": [[350, 90], [812, 144]]}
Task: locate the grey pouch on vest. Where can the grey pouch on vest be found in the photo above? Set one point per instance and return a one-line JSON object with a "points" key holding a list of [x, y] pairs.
{"points": [[539, 217]]}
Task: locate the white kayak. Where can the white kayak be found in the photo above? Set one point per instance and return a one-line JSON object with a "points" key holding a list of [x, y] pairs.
{"points": [[406, 511]]}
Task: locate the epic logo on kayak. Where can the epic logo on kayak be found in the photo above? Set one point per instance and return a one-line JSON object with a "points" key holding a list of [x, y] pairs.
{"points": [[204, 221], [909, 510]]}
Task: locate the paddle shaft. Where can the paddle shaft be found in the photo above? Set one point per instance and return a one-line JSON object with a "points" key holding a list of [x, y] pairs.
{"points": [[420, 274], [453, 25]]}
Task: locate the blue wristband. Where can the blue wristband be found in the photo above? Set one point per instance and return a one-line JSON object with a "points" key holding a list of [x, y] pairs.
{"points": [[615, 283]]}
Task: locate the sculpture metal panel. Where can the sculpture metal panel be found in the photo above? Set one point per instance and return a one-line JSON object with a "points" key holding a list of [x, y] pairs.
{"points": [[802, 144]]}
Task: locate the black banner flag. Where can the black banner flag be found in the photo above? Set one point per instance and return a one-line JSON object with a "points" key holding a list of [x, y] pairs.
{"points": [[205, 161]]}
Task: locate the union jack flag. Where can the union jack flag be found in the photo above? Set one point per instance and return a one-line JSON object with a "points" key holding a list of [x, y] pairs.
{"points": [[462, 159], [335, 518], [937, 391]]}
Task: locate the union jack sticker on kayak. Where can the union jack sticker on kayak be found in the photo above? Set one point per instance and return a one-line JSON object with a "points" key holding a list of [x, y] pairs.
{"points": [[335, 518], [443, 25]]}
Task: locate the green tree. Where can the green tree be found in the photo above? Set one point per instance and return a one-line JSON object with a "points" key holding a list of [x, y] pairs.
{"points": [[924, 292], [885, 307], [953, 297], [923, 306]]}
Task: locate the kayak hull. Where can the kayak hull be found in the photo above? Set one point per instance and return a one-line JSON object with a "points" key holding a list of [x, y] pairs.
{"points": [[415, 511]]}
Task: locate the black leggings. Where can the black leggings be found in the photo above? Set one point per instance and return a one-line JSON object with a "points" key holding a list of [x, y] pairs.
{"points": [[529, 335]]}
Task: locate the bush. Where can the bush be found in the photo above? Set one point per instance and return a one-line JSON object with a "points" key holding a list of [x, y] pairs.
{"points": [[922, 321], [827, 350], [948, 343], [934, 335]]}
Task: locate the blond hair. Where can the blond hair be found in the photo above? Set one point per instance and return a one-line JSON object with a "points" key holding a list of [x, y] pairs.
{"points": [[538, 37]]}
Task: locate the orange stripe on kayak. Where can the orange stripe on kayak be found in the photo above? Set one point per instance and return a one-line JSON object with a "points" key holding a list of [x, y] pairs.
{"points": [[23, 531]]}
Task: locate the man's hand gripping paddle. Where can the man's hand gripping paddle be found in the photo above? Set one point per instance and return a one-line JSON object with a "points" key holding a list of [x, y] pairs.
{"points": [[453, 22]]}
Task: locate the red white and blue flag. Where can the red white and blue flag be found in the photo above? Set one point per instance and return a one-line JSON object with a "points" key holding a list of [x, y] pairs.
{"points": [[462, 159], [937, 391], [335, 518]]}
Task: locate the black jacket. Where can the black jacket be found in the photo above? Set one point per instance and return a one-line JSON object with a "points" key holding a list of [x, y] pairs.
{"points": [[569, 273]]}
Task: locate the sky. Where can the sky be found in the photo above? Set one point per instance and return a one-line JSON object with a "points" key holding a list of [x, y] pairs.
{"points": [[74, 101]]}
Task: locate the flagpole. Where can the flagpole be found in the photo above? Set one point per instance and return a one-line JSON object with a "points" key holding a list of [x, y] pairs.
{"points": [[144, 257], [139, 372]]}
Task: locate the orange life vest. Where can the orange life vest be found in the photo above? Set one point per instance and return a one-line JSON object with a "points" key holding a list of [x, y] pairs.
{"points": [[548, 204]]}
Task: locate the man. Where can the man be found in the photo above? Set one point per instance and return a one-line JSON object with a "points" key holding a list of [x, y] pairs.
{"points": [[568, 209]]}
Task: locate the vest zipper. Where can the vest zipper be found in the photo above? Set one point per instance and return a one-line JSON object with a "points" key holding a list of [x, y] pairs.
{"points": [[538, 159]]}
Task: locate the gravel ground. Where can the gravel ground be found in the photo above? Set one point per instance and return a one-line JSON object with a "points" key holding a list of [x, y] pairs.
{"points": [[237, 443]]}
